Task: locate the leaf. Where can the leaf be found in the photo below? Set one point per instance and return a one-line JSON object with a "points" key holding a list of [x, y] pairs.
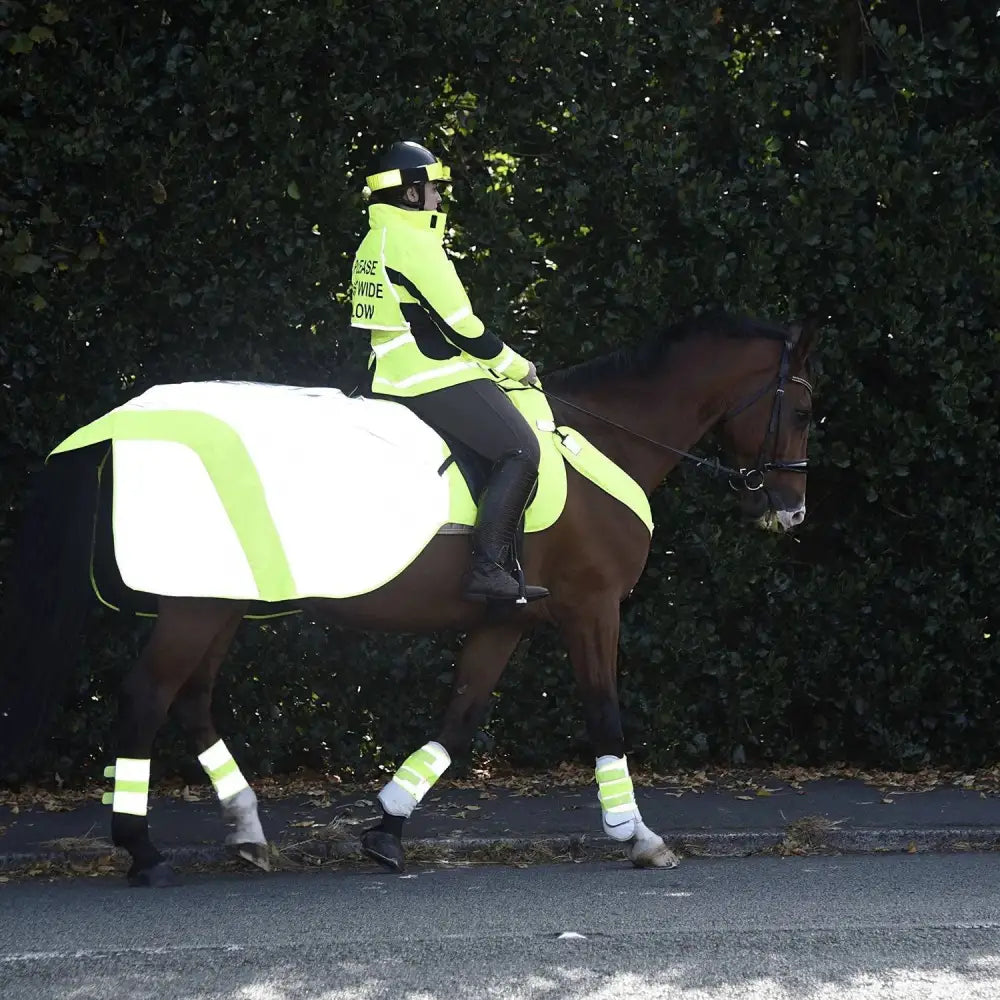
{"points": [[37, 303], [27, 263], [39, 33], [293, 190], [51, 14], [20, 45], [887, 802]]}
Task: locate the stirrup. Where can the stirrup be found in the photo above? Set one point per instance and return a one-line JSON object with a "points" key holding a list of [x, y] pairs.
{"points": [[525, 593], [513, 587]]}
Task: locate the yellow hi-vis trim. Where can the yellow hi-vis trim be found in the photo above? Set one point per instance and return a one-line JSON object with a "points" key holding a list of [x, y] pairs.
{"points": [[422, 768], [394, 178], [131, 794], [614, 787], [227, 778]]}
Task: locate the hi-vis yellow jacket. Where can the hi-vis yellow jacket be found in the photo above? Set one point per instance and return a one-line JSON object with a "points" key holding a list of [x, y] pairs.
{"points": [[405, 290]]}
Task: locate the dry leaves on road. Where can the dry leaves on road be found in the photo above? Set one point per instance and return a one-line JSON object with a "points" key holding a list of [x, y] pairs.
{"points": [[495, 778]]}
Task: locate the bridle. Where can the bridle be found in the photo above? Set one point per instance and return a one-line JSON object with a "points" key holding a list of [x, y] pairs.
{"points": [[750, 479]]}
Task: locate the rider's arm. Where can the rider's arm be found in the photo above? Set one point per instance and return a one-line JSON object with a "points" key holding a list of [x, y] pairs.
{"points": [[433, 282]]}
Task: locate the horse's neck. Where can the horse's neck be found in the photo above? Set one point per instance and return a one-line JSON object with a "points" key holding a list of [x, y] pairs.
{"points": [[674, 409]]}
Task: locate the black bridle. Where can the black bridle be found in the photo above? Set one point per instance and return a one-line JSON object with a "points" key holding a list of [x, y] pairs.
{"points": [[750, 479]]}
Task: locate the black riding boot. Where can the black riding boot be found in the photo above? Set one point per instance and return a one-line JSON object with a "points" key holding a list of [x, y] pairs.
{"points": [[500, 510]]}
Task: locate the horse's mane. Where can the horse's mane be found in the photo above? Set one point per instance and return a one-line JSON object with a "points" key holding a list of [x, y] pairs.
{"points": [[648, 357]]}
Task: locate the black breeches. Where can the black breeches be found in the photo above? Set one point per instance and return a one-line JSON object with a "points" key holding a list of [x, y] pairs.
{"points": [[480, 415]]}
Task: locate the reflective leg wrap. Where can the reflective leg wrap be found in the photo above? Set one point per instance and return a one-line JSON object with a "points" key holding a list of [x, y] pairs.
{"points": [[414, 779], [227, 779], [619, 812], [131, 794], [236, 797]]}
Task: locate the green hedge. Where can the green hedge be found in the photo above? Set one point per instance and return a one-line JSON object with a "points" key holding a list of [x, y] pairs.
{"points": [[180, 199]]}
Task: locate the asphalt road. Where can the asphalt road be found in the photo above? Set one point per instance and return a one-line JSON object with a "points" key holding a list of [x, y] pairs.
{"points": [[756, 929]]}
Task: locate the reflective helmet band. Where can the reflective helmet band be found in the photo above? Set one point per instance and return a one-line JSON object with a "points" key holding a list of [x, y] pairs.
{"points": [[394, 178]]}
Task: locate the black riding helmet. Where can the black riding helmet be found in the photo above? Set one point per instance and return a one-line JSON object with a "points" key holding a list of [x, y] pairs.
{"points": [[403, 164]]}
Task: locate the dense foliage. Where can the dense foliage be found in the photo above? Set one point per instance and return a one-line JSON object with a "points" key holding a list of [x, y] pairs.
{"points": [[180, 198]]}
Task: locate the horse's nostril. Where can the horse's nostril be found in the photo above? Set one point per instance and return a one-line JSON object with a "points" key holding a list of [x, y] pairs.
{"points": [[799, 516]]}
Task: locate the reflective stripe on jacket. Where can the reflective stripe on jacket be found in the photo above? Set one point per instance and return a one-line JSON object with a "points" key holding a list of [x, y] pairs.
{"points": [[405, 291]]}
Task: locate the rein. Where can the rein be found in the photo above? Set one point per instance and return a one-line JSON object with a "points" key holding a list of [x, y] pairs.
{"points": [[750, 479]]}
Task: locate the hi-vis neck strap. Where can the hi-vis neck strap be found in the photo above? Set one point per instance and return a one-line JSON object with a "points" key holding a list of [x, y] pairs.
{"points": [[227, 779], [131, 794]]}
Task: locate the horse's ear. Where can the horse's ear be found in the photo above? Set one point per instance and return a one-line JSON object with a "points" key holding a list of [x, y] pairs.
{"points": [[802, 337]]}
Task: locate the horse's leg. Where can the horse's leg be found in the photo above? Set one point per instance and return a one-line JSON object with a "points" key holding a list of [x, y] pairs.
{"points": [[193, 710], [591, 633], [482, 660], [181, 637]]}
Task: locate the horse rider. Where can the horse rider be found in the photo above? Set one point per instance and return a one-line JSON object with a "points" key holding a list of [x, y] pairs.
{"points": [[432, 353]]}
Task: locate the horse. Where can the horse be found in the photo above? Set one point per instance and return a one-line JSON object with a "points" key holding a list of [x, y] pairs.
{"points": [[643, 407]]}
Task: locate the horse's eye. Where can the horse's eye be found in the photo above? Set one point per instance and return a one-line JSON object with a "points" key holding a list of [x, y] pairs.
{"points": [[803, 416]]}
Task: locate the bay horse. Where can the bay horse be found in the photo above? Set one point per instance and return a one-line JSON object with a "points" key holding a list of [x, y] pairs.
{"points": [[643, 407]]}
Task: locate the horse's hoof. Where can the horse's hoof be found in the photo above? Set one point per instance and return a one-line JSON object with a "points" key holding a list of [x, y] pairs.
{"points": [[160, 876], [385, 848], [653, 855], [256, 854]]}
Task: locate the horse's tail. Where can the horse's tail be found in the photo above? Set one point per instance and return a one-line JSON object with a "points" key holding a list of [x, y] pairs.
{"points": [[46, 598]]}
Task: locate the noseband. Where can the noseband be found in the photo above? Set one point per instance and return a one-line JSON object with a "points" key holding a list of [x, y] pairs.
{"points": [[751, 479]]}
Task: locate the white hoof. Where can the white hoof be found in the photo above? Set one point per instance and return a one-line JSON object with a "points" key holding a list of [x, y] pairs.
{"points": [[240, 812], [257, 854], [647, 850]]}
